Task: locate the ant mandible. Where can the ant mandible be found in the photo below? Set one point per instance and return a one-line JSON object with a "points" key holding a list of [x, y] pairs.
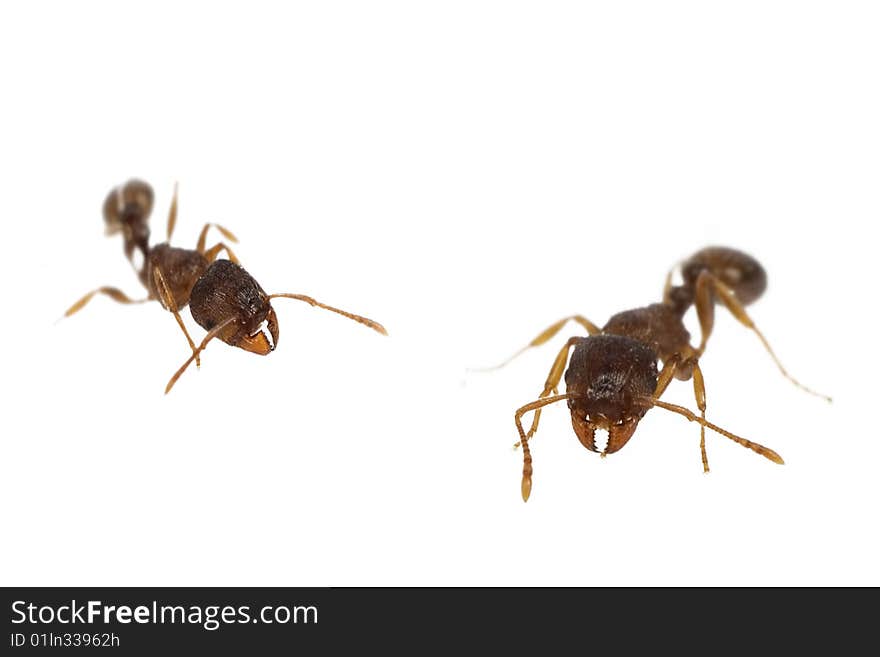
{"points": [[612, 378], [223, 298]]}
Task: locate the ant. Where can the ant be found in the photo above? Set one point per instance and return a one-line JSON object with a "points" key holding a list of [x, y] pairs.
{"points": [[224, 299], [612, 378]]}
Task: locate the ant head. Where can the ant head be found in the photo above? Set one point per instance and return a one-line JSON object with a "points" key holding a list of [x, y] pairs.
{"points": [[127, 208], [227, 294], [606, 378]]}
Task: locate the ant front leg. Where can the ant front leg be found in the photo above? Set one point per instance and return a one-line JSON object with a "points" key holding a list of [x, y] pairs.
{"points": [[213, 333], [548, 334], [551, 387], [168, 302], [654, 401], [663, 379], [212, 253], [708, 288], [766, 452], [700, 397], [666, 374], [200, 246], [112, 292]]}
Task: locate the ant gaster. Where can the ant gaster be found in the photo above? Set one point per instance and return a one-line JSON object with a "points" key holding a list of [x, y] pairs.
{"points": [[223, 298], [612, 378]]}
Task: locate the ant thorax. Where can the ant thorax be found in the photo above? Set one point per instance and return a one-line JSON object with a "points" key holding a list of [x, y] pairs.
{"points": [[181, 268]]}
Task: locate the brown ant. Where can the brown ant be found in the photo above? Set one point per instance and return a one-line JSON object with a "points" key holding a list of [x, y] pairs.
{"points": [[612, 378], [223, 298]]}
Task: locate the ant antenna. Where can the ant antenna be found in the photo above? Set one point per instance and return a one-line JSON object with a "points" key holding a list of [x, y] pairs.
{"points": [[546, 335], [766, 452], [376, 326], [526, 486]]}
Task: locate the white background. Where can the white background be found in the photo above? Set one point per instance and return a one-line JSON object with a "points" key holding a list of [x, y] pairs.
{"points": [[466, 173]]}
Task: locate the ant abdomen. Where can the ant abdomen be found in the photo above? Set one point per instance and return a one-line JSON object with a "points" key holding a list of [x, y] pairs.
{"points": [[127, 204], [737, 270], [127, 209]]}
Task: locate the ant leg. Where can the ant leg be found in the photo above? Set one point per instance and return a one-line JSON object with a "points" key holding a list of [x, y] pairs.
{"points": [[700, 397], [766, 452], [666, 374], [376, 326], [200, 246], [707, 284], [526, 486], [212, 253], [551, 386], [667, 288], [172, 214], [665, 377], [663, 381], [112, 292], [168, 302], [213, 333], [548, 334]]}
